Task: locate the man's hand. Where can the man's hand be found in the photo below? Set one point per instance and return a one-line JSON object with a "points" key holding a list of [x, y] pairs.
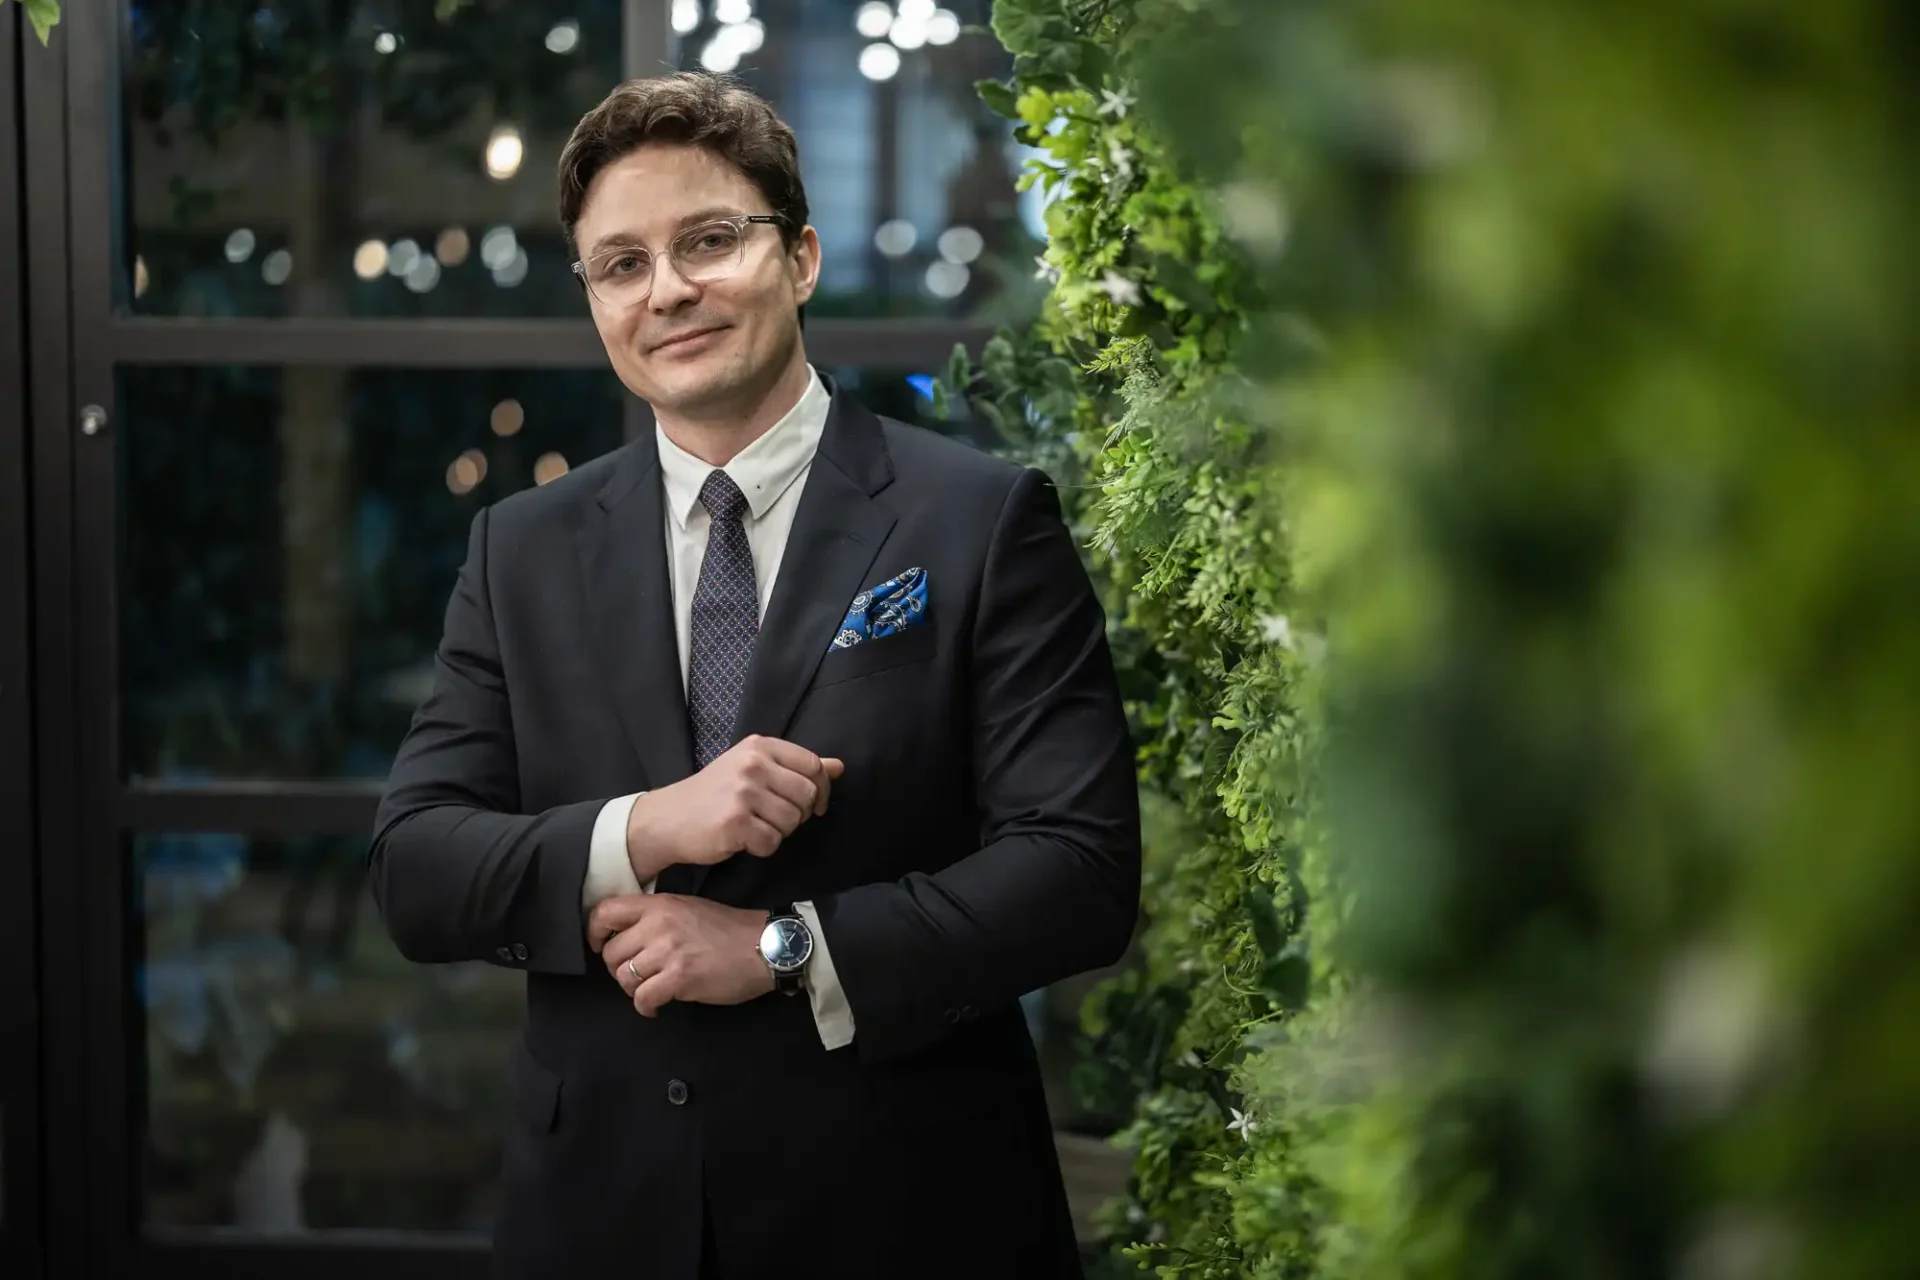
{"points": [[680, 948], [749, 798]]}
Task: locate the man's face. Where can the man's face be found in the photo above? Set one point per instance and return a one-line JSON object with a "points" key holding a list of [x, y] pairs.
{"points": [[695, 349]]}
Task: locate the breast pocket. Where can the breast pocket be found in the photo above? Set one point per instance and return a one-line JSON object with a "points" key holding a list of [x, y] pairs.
{"points": [[870, 657]]}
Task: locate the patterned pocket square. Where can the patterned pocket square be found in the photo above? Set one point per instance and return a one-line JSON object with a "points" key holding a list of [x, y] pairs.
{"points": [[877, 612]]}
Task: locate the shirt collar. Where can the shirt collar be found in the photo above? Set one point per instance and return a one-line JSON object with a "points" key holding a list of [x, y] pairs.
{"points": [[763, 470]]}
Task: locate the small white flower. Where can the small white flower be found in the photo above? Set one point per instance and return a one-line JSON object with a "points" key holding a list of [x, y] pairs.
{"points": [[1189, 1059], [1136, 1214], [1046, 271], [1241, 1124], [1277, 630], [1123, 292], [1114, 103], [1122, 158]]}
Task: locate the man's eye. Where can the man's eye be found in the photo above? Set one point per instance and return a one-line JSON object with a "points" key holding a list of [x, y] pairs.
{"points": [[625, 264]]}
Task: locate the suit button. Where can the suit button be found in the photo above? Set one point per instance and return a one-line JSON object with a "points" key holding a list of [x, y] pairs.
{"points": [[677, 1092], [519, 951], [505, 953]]}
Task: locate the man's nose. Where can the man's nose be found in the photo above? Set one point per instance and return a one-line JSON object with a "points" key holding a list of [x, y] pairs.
{"points": [[670, 288]]}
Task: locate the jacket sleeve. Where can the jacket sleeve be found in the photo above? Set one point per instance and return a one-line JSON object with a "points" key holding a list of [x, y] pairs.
{"points": [[457, 871], [1054, 888]]}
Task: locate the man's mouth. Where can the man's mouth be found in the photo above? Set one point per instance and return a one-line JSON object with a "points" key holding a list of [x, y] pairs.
{"points": [[679, 339]]}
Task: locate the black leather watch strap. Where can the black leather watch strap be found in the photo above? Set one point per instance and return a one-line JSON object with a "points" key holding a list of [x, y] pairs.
{"points": [[787, 984]]}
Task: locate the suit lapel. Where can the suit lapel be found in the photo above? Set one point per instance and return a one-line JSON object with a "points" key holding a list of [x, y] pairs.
{"points": [[836, 535], [630, 604]]}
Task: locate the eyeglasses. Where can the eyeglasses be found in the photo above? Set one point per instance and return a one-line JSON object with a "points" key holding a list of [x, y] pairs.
{"points": [[623, 277]]}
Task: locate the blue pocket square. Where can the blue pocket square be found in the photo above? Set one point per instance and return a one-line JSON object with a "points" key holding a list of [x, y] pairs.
{"points": [[877, 612]]}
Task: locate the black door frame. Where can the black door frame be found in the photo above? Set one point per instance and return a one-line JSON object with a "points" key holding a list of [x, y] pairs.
{"points": [[20, 1206], [76, 334]]}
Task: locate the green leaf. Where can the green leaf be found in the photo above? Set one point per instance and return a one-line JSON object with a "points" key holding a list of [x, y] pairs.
{"points": [[1000, 98], [44, 15]]}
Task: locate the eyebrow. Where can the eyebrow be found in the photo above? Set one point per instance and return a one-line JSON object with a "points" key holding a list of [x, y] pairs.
{"points": [[627, 240]]}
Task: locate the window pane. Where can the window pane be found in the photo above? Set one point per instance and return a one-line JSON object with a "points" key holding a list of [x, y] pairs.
{"points": [[910, 178], [289, 541], [360, 158], [299, 1073]]}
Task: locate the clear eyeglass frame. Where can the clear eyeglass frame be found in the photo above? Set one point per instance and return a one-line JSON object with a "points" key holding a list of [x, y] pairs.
{"points": [[695, 263]]}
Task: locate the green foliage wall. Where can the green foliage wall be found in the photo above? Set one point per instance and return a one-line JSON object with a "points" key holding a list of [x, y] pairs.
{"points": [[1125, 391], [1557, 915]]}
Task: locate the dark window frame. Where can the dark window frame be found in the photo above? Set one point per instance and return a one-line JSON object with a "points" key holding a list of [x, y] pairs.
{"points": [[85, 1207]]}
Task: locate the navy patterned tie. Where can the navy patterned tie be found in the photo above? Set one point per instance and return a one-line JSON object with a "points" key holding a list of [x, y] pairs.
{"points": [[726, 618]]}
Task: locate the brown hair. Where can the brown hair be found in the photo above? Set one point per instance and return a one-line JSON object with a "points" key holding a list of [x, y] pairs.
{"points": [[695, 109]]}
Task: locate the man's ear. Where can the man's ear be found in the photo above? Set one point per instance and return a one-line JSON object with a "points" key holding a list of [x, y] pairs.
{"points": [[804, 261]]}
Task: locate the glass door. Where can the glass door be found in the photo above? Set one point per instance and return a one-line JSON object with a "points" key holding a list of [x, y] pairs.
{"points": [[318, 312]]}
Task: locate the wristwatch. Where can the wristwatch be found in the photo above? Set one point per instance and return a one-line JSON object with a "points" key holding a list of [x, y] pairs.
{"points": [[786, 944]]}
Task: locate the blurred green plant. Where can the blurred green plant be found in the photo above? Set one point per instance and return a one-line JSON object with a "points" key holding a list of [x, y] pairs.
{"points": [[1604, 478], [43, 14], [1562, 357], [1125, 392]]}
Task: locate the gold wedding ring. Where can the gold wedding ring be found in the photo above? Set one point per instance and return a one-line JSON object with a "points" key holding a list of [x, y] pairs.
{"points": [[630, 969]]}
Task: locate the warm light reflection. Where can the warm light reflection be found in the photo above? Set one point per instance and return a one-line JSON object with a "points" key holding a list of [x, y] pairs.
{"points": [[453, 246], [276, 267], [479, 461], [139, 277], [564, 37], [550, 466], [507, 417], [462, 475], [370, 259], [916, 10], [686, 15], [943, 27], [386, 42], [732, 10], [505, 151]]}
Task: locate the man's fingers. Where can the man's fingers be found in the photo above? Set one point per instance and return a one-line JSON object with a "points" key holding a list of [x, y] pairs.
{"points": [[788, 797], [616, 915], [789, 755], [778, 812], [762, 837], [830, 768], [659, 988]]}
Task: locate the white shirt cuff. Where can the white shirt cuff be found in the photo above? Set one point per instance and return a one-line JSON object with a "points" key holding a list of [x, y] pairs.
{"points": [[609, 870], [831, 1012]]}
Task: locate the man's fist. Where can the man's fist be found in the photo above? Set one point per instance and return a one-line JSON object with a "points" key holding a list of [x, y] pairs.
{"points": [[662, 947], [750, 798]]}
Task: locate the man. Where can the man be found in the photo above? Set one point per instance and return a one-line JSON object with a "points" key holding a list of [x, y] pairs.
{"points": [[783, 751]]}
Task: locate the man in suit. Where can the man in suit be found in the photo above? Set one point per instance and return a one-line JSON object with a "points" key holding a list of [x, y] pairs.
{"points": [[782, 750]]}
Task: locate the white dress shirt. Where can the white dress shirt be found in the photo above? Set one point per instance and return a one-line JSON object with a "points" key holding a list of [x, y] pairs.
{"points": [[771, 472]]}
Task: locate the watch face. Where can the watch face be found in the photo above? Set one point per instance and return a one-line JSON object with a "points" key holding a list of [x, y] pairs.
{"points": [[785, 944]]}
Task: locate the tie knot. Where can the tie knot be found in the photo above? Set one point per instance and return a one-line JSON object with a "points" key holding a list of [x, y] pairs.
{"points": [[722, 497]]}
